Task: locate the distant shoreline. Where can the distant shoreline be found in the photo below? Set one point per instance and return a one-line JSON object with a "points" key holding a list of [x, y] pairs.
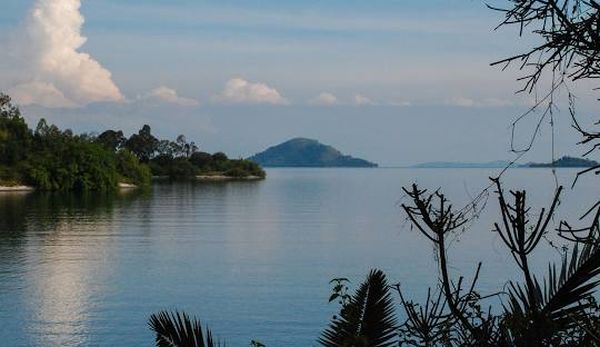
{"points": [[221, 178], [419, 168]]}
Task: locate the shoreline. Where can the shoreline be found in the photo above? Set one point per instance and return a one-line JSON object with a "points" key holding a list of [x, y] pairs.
{"points": [[16, 188], [24, 188], [219, 178]]}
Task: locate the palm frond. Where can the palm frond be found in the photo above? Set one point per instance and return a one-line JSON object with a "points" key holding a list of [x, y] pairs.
{"points": [[563, 296], [175, 329], [368, 319], [566, 294]]}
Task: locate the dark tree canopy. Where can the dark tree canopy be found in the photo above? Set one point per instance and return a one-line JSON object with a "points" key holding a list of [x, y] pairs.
{"points": [[15, 136], [112, 139], [143, 144]]}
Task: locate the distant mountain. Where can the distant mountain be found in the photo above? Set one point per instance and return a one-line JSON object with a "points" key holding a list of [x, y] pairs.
{"points": [[301, 152], [458, 165], [566, 162]]}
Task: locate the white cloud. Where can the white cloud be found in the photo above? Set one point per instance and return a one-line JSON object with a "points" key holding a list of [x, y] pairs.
{"points": [[361, 100], [238, 90], [495, 102], [462, 101], [49, 69], [169, 95], [40, 93], [400, 103], [324, 99]]}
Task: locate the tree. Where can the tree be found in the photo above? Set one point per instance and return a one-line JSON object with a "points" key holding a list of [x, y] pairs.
{"points": [[47, 133], [131, 170], [72, 164], [15, 137], [143, 144], [182, 148], [165, 149], [112, 139], [201, 159]]}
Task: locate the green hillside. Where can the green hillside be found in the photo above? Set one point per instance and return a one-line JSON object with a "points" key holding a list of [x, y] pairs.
{"points": [[302, 152]]}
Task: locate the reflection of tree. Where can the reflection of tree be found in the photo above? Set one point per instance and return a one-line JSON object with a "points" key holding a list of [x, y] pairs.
{"points": [[42, 211], [12, 213], [50, 209]]}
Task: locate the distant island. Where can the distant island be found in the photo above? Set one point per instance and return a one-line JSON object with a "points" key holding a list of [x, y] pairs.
{"points": [[459, 165], [566, 162], [303, 152]]}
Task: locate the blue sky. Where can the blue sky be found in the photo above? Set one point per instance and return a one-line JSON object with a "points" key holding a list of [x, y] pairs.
{"points": [[398, 82]]}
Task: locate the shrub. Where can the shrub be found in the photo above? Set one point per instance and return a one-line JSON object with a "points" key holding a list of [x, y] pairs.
{"points": [[131, 170]]}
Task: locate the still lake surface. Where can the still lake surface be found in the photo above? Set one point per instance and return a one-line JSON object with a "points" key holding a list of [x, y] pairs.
{"points": [[251, 259]]}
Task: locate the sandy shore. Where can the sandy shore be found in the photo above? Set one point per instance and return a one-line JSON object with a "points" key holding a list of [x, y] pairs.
{"points": [[227, 178], [123, 185], [16, 189]]}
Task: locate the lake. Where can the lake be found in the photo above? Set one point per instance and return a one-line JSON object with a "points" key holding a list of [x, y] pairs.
{"points": [[251, 259]]}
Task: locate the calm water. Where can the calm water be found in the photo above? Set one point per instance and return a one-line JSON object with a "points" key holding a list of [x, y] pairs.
{"points": [[251, 259]]}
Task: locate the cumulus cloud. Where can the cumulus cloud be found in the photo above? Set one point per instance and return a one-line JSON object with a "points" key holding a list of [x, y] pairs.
{"points": [[238, 90], [324, 99], [361, 100], [168, 95], [48, 67], [40, 93]]}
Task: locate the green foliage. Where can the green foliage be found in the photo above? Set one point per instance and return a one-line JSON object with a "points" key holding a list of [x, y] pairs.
{"points": [[143, 144], [242, 168], [69, 163], [366, 319], [15, 136], [112, 139], [131, 170], [178, 159], [11, 176], [51, 159], [201, 160], [182, 160], [181, 168], [174, 329]]}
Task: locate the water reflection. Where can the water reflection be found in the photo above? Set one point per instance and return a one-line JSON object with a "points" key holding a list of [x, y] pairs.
{"points": [[64, 241]]}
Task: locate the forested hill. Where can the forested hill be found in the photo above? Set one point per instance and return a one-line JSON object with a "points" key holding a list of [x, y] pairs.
{"points": [[566, 162], [302, 152]]}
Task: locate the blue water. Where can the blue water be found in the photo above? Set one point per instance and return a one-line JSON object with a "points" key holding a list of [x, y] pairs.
{"points": [[251, 259]]}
